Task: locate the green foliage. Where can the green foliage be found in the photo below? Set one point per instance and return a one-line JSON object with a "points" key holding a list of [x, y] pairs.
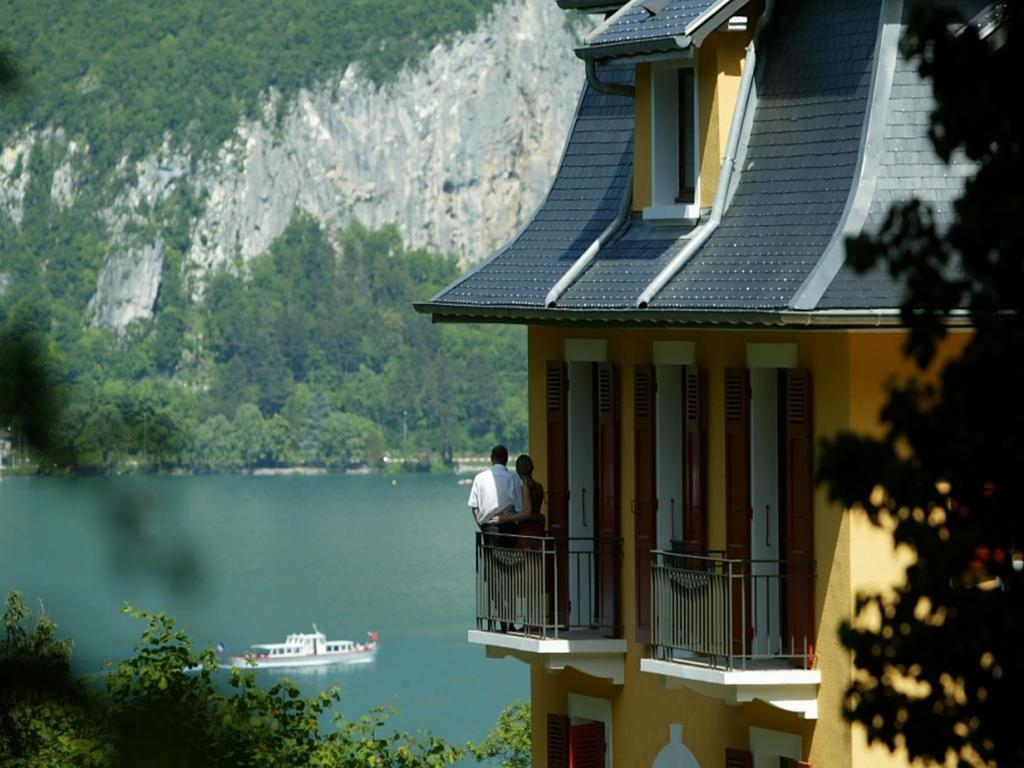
{"points": [[46, 716], [122, 75], [509, 740], [938, 663], [167, 707], [311, 355]]}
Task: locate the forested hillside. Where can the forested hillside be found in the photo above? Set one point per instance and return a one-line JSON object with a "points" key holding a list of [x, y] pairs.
{"points": [[307, 353], [311, 356], [125, 74]]}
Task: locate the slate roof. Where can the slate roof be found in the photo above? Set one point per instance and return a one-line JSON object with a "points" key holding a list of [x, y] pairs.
{"points": [[908, 168], [640, 28], [633, 258], [584, 199], [813, 85]]}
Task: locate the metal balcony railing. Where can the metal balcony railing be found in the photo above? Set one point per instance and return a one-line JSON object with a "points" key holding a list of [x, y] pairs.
{"points": [[732, 614], [546, 587]]}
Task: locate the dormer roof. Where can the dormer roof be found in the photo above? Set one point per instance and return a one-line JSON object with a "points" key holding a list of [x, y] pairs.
{"points": [[657, 26]]}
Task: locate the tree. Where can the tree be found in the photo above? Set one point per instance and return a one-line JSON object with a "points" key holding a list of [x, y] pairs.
{"points": [[344, 439], [214, 446], [938, 660], [509, 739], [251, 435]]}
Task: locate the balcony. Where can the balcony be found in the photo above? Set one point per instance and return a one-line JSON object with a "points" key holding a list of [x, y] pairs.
{"points": [[551, 599], [735, 629]]}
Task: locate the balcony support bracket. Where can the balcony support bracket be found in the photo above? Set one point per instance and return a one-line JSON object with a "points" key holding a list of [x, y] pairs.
{"points": [[793, 690]]}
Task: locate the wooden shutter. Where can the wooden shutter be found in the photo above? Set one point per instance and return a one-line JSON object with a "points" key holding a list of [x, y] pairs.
{"points": [[645, 504], [737, 463], [737, 500], [738, 758], [557, 402], [799, 518], [586, 745], [695, 442], [558, 741], [607, 499]]}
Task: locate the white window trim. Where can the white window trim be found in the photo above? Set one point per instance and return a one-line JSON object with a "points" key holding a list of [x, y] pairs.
{"points": [[662, 209], [674, 352], [586, 351], [771, 356], [597, 710]]}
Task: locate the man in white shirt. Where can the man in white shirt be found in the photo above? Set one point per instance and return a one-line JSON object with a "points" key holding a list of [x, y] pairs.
{"points": [[496, 492]]}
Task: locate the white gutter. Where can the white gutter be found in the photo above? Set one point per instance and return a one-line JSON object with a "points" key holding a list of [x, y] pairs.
{"points": [[703, 232], [588, 255]]}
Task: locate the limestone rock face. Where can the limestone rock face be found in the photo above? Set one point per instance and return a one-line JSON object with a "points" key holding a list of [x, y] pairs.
{"points": [[456, 151], [128, 286]]}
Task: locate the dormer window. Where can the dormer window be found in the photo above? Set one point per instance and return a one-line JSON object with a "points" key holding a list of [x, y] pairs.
{"points": [[687, 139], [675, 180]]}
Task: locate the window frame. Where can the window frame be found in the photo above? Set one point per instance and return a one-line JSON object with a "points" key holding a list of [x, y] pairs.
{"points": [[668, 200]]}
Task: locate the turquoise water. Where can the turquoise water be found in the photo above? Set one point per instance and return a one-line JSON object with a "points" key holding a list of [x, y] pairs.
{"points": [[240, 560]]}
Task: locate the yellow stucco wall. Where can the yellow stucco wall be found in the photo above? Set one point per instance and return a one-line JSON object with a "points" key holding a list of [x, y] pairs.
{"points": [[642, 138], [849, 372]]}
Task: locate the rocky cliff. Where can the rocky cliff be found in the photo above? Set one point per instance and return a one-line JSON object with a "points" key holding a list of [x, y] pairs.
{"points": [[456, 151]]}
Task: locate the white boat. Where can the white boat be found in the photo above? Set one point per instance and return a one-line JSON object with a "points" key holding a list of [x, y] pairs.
{"points": [[301, 650]]}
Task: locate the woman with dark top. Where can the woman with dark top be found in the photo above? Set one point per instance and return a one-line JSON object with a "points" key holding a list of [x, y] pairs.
{"points": [[530, 521]]}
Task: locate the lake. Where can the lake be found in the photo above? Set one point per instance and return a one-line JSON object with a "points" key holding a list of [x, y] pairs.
{"points": [[241, 560]]}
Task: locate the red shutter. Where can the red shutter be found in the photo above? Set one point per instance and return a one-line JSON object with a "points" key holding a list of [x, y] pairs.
{"points": [[645, 504], [556, 393], [695, 442], [558, 741], [586, 745], [737, 499], [799, 539], [608, 499], [738, 758]]}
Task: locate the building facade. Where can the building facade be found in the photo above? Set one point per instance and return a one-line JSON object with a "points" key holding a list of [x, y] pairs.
{"points": [[694, 333]]}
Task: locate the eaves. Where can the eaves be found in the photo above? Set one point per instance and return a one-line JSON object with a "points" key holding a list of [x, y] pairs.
{"points": [[675, 318]]}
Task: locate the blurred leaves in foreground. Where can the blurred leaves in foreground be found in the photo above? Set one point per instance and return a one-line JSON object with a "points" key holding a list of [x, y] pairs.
{"points": [[169, 705]]}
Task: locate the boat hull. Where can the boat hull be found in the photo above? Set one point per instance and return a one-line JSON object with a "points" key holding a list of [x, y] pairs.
{"points": [[249, 661]]}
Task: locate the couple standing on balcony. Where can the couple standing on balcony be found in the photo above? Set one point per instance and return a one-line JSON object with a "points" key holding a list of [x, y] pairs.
{"points": [[500, 506]]}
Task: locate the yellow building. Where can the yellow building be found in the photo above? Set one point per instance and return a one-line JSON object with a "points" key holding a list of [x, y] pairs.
{"points": [[694, 332]]}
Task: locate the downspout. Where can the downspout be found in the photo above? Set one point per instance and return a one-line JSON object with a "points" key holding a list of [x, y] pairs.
{"points": [[702, 233], [609, 89], [588, 255]]}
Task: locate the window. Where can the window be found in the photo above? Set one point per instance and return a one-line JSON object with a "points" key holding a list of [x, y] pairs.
{"points": [[582, 442], [588, 732], [687, 139], [770, 502], [675, 177]]}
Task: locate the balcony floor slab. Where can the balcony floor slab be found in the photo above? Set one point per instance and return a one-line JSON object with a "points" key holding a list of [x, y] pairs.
{"points": [[794, 690], [596, 656]]}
